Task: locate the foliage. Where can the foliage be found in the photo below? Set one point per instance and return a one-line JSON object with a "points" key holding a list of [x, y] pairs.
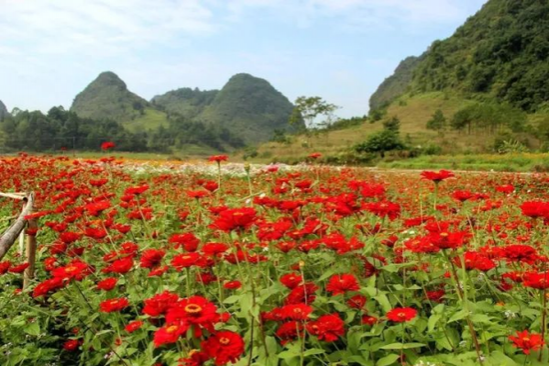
{"points": [[187, 102], [60, 129], [344, 123], [501, 53], [437, 121], [309, 109], [489, 117]]}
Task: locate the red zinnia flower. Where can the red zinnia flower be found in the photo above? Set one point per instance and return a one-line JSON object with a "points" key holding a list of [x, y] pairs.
{"points": [[107, 145], [400, 315], [170, 333], [527, 341], [327, 328], [112, 305], [218, 158], [339, 284], [437, 177], [159, 304], [224, 347], [232, 219], [107, 284], [133, 326], [152, 258]]}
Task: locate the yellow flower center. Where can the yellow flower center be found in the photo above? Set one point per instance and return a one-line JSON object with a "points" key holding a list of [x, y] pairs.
{"points": [[172, 328], [71, 269], [224, 340], [401, 315], [193, 308]]}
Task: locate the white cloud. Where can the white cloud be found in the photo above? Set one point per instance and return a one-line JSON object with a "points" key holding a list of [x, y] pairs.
{"points": [[99, 27], [363, 13]]}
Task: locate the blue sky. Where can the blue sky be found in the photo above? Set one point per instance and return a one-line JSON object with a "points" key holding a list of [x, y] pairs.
{"points": [[340, 50]]}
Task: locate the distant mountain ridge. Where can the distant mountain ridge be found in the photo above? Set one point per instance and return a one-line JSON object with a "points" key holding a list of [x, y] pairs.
{"points": [[246, 106], [3, 111], [501, 53]]}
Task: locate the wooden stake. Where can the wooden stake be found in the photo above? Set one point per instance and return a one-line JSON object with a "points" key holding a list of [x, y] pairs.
{"points": [[31, 255]]}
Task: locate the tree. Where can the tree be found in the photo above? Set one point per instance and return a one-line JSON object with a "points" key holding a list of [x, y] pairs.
{"points": [[437, 121], [309, 108], [381, 142], [392, 124]]}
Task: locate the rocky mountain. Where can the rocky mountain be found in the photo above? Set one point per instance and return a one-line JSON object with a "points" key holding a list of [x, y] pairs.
{"points": [[108, 97], [501, 53], [3, 111], [396, 84]]}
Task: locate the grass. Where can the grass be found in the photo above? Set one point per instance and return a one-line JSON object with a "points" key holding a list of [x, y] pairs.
{"points": [[413, 113], [151, 120], [524, 162]]}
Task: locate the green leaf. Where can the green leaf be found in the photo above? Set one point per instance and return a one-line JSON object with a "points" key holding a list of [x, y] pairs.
{"points": [[33, 329], [314, 351], [383, 302], [403, 345], [387, 360], [458, 316], [232, 299], [433, 320]]}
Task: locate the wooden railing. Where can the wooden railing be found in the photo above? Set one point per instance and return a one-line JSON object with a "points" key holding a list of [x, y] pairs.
{"points": [[16, 230]]}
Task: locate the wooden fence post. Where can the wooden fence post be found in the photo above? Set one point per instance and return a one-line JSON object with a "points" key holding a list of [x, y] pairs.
{"points": [[30, 253]]}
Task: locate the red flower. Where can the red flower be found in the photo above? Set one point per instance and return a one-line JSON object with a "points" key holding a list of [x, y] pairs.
{"points": [[232, 285], [71, 345], [303, 293], [327, 328], [536, 280], [4, 266], [315, 155], [47, 286], [186, 260], [76, 269], [224, 347], [437, 177], [121, 266], [170, 333], [95, 208], [233, 219], [218, 158], [400, 315], [384, 209], [291, 280], [19, 268], [296, 311], [69, 237], [133, 326], [112, 305], [527, 341], [357, 302], [186, 240], [196, 310], [339, 284], [107, 145], [152, 258], [159, 304], [107, 284], [535, 209]]}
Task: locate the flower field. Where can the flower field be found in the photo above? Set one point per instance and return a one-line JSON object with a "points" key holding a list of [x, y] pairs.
{"points": [[270, 266]]}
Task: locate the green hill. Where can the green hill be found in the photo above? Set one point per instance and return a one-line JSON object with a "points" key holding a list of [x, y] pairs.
{"points": [[108, 97], [3, 111], [499, 54], [247, 106], [185, 101]]}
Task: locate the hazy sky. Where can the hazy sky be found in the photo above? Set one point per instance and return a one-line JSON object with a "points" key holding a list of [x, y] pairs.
{"points": [[340, 50]]}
